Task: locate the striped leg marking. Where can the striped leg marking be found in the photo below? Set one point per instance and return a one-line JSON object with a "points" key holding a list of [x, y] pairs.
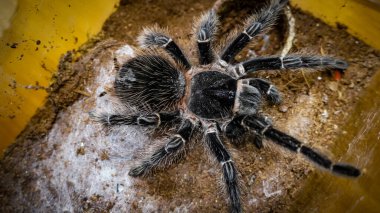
{"points": [[229, 170], [292, 62], [170, 149], [259, 124], [156, 37], [154, 119], [255, 25], [205, 32]]}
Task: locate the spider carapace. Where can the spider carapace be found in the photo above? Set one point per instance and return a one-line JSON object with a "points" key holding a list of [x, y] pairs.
{"points": [[214, 96]]}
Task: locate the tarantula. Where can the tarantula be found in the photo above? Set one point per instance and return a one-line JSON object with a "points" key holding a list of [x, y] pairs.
{"points": [[215, 96]]}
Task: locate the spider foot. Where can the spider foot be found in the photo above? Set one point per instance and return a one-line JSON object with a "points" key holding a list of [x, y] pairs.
{"points": [[138, 171], [233, 129], [346, 170], [258, 141]]}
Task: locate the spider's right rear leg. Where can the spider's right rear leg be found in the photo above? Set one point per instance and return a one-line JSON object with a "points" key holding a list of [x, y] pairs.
{"points": [[153, 119], [167, 153], [152, 37], [264, 127]]}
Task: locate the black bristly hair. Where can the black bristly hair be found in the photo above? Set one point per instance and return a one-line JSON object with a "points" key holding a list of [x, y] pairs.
{"points": [[256, 24], [214, 96], [155, 37], [150, 81], [264, 127], [266, 89], [205, 32], [228, 167], [170, 150], [149, 119], [292, 62]]}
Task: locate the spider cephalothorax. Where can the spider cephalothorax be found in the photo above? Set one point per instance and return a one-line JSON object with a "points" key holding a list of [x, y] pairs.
{"points": [[214, 97]]}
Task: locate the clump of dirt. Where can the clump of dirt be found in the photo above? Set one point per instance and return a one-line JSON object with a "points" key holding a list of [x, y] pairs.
{"points": [[314, 106]]}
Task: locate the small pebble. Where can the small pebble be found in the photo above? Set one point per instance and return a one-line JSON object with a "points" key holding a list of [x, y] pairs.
{"points": [[333, 86], [119, 188], [283, 108], [325, 99], [324, 116]]}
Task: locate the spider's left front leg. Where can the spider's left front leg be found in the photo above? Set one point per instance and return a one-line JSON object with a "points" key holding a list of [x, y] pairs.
{"points": [[229, 171], [167, 153], [155, 37]]}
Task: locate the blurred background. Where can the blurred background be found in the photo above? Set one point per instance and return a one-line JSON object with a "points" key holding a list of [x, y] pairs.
{"points": [[33, 36]]}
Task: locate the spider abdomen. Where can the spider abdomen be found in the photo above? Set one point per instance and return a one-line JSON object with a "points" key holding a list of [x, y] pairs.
{"points": [[149, 82], [212, 95]]}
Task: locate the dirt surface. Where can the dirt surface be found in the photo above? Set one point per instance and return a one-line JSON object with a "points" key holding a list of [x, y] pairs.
{"points": [[64, 161]]}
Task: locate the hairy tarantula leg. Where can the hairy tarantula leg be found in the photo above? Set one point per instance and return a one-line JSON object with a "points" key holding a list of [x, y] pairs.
{"points": [[288, 62], [234, 130], [136, 119], [169, 150], [151, 37], [205, 32], [267, 89], [256, 24], [229, 171], [247, 98], [261, 125]]}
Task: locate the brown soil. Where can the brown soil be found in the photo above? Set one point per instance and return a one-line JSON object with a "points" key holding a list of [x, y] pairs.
{"points": [[193, 180]]}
